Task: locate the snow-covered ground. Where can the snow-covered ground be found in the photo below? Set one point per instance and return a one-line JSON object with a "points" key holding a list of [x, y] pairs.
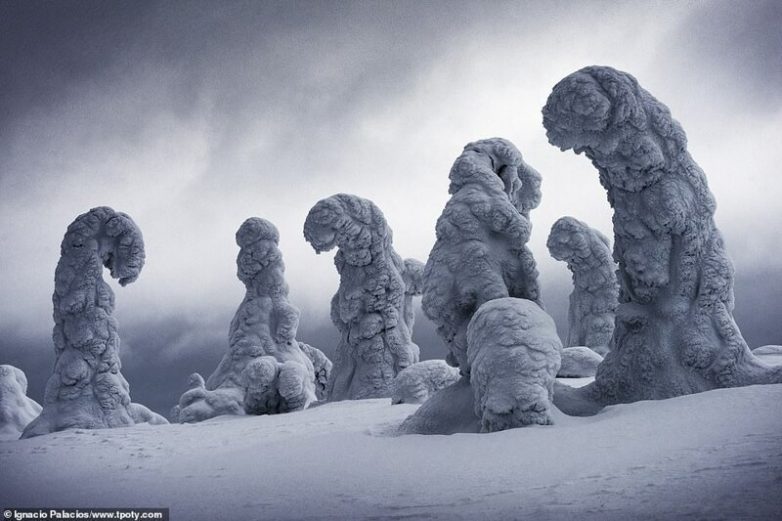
{"points": [[710, 456]]}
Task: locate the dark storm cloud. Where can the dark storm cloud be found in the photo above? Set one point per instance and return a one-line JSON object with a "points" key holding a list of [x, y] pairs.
{"points": [[297, 64]]}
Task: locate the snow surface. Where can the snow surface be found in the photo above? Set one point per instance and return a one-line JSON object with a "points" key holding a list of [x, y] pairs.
{"points": [[715, 455]]}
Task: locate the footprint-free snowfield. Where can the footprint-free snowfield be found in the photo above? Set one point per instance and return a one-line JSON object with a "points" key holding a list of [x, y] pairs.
{"points": [[710, 456]]}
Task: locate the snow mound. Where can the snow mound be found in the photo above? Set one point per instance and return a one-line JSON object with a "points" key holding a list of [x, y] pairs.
{"points": [[416, 383], [16, 409], [514, 352], [767, 350], [578, 362]]}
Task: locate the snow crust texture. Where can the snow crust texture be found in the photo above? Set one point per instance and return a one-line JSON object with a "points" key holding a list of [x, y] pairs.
{"points": [[768, 350], [369, 306], [514, 352], [16, 409], [480, 253], [265, 370], [87, 389], [674, 332], [595, 295], [416, 383]]}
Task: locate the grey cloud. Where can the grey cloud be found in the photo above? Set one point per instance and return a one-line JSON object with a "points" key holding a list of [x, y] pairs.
{"points": [[739, 43]]}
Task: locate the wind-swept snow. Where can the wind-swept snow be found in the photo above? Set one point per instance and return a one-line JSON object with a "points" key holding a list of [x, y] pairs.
{"points": [[713, 455]]}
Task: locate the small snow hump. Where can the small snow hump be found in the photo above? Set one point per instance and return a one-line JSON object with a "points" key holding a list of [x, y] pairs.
{"points": [[416, 383], [16, 409], [579, 362], [515, 354]]}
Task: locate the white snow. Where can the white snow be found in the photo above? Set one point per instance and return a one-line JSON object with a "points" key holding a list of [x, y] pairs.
{"points": [[714, 455]]}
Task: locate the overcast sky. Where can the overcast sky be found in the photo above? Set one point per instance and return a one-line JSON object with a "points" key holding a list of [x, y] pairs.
{"points": [[193, 116]]}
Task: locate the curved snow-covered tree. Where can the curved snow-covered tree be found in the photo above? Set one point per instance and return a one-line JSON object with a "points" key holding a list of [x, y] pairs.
{"points": [[595, 295], [480, 253], [674, 332], [16, 409], [87, 389], [368, 308], [417, 382], [413, 277], [265, 370]]}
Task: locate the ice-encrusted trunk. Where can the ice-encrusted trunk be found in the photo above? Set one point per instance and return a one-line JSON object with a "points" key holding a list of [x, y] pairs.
{"points": [[265, 370], [375, 343], [595, 295], [322, 366], [413, 277], [674, 332], [87, 389]]}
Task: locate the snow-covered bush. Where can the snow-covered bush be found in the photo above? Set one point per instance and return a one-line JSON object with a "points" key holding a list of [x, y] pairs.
{"points": [[578, 362], [16, 409], [416, 383], [514, 353]]}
